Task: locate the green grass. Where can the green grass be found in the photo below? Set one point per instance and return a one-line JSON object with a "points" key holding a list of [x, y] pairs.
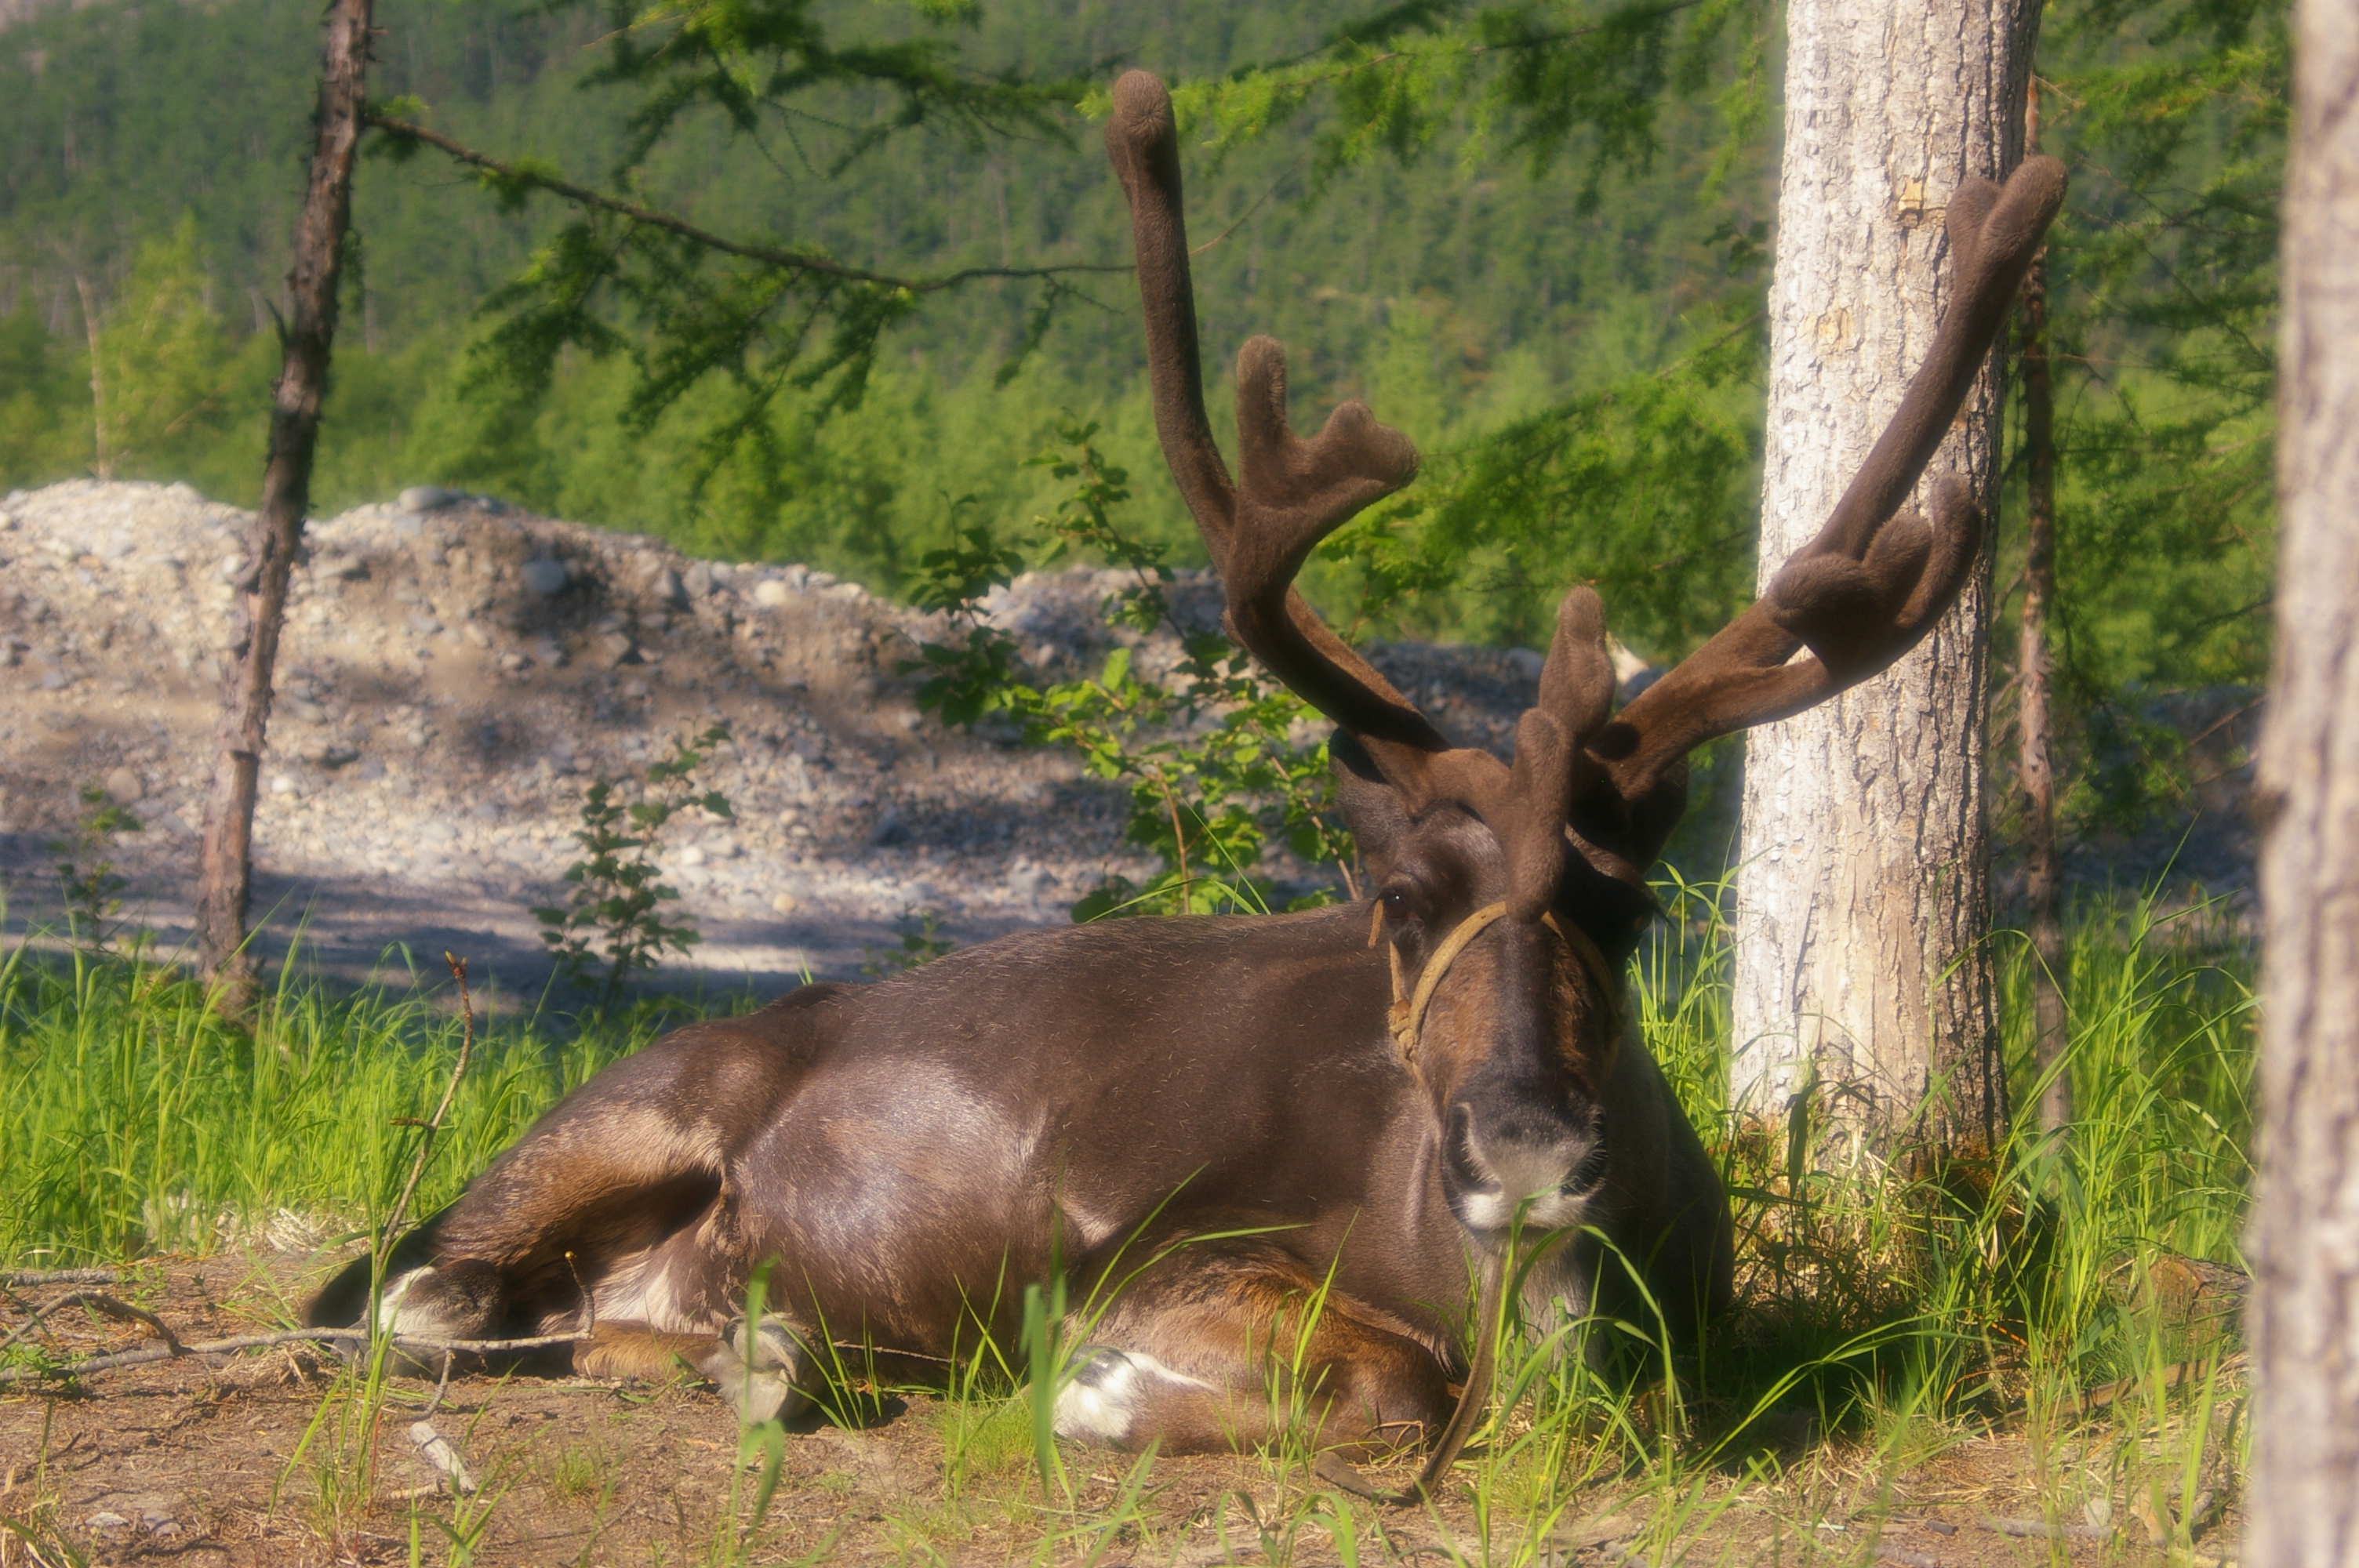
{"points": [[1881, 1319]]}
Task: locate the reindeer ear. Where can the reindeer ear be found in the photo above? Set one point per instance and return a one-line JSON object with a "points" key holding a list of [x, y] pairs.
{"points": [[1378, 816]]}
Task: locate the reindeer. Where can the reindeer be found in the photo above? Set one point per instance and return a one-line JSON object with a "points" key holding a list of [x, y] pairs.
{"points": [[1269, 1147]]}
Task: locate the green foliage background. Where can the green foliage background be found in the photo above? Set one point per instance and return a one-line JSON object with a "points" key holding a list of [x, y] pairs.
{"points": [[1531, 236]]}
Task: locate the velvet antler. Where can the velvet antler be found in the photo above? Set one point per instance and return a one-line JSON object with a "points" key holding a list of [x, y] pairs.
{"points": [[1863, 591], [1295, 493]]}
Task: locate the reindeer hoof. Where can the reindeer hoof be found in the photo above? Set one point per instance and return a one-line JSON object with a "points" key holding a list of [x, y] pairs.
{"points": [[760, 1373]]}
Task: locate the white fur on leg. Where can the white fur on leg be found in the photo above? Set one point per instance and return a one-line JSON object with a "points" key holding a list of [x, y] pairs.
{"points": [[388, 1306], [1111, 1390]]}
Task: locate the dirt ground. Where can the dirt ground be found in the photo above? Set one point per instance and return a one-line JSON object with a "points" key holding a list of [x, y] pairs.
{"points": [[266, 1459]]}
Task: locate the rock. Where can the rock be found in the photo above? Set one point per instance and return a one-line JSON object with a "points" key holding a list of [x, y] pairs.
{"points": [[698, 580], [786, 903], [474, 633], [513, 661], [544, 577], [309, 712], [106, 1520], [550, 652], [428, 498], [691, 856], [667, 588], [771, 593], [616, 647], [124, 787], [281, 784], [371, 769]]}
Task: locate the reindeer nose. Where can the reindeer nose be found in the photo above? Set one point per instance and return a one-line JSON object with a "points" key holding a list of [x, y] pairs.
{"points": [[1523, 1163], [1511, 1161]]}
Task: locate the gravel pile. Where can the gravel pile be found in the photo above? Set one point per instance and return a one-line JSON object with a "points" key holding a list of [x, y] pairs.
{"points": [[456, 672]]}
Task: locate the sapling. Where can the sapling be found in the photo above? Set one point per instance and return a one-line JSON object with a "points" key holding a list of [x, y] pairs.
{"points": [[86, 873], [613, 921]]}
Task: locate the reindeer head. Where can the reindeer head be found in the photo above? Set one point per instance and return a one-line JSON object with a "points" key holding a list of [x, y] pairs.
{"points": [[1511, 896]]}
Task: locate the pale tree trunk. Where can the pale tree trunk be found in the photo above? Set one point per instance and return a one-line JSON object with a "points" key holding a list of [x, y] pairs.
{"points": [[2035, 762], [227, 869], [1862, 897], [2303, 1505]]}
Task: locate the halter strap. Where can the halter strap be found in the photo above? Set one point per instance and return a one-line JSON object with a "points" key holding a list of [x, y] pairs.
{"points": [[1408, 1016]]}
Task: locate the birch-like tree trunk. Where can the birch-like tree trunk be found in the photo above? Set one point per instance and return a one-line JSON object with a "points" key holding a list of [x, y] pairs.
{"points": [[1862, 896], [226, 868], [2303, 1504]]}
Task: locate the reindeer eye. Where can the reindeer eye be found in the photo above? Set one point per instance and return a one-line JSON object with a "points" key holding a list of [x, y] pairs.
{"points": [[1395, 902]]}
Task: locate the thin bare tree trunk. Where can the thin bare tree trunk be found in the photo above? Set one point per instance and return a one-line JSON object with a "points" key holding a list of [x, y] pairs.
{"points": [[226, 873], [97, 380], [2035, 768], [2303, 1502], [1863, 904]]}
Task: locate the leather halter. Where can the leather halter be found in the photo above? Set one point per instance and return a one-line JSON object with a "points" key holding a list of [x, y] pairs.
{"points": [[1407, 1015]]}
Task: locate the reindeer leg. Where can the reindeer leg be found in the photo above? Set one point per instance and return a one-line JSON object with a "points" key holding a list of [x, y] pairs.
{"points": [[1211, 1352]]}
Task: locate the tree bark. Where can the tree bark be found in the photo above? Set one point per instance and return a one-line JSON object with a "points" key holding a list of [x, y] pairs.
{"points": [[1862, 893], [2035, 763], [2303, 1502], [227, 869]]}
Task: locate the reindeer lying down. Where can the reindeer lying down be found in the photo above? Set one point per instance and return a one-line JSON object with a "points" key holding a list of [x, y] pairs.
{"points": [[1213, 1123]]}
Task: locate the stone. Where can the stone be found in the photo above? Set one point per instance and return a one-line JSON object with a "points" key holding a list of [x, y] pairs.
{"points": [[123, 786], [616, 647], [307, 711], [513, 661], [371, 769], [428, 498], [771, 593], [474, 633], [104, 1520], [786, 903], [550, 652], [544, 577], [667, 588], [698, 580], [691, 856], [282, 783]]}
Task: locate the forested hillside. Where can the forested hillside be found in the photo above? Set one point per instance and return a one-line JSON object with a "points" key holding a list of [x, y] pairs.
{"points": [[153, 159], [1563, 321]]}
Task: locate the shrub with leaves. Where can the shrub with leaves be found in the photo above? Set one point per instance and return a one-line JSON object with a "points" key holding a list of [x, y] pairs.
{"points": [[1208, 751], [86, 873], [613, 922]]}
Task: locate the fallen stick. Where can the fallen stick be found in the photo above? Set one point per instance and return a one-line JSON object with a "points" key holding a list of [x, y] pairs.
{"points": [[155, 1353], [121, 1311], [62, 1277], [2039, 1529], [1887, 1553]]}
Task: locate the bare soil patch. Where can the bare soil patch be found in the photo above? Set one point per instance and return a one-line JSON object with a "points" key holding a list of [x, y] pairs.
{"points": [[268, 1458]]}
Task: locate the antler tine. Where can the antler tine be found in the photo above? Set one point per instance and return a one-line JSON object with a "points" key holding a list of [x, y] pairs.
{"points": [[1552, 770], [1295, 493], [1865, 590], [1143, 142]]}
